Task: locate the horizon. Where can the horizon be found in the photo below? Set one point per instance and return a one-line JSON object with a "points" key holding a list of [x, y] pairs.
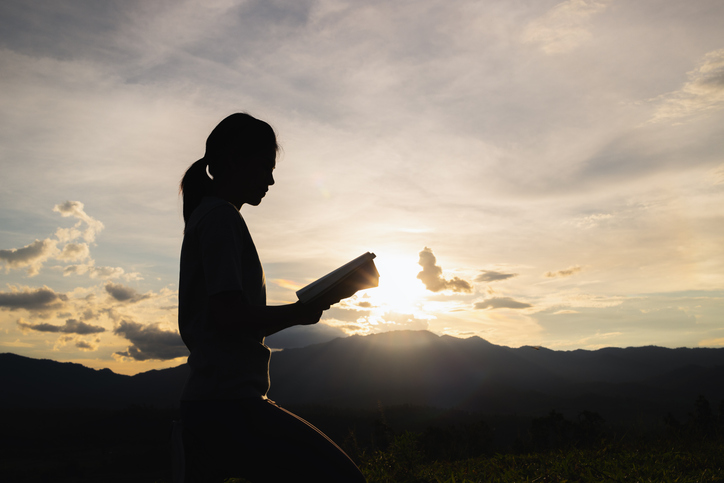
{"points": [[399, 344], [544, 174]]}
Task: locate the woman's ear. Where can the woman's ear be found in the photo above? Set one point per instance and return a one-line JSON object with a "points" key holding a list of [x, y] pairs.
{"points": [[221, 167]]}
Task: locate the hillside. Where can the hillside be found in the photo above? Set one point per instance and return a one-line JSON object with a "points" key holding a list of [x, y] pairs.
{"points": [[417, 368]]}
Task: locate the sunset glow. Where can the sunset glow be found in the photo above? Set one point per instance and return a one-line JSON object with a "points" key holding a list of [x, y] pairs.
{"points": [[399, 289], [553, 170]]}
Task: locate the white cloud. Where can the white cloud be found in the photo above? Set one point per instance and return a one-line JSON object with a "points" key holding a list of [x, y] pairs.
{"points": [[102, 273], [718, 175], [594, 220], [75, 209], [703, 92], [33, 256], [74, 252], [564, 27]]}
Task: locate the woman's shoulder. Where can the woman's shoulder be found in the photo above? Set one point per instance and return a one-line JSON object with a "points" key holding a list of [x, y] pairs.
{"points": [[211, 209]]}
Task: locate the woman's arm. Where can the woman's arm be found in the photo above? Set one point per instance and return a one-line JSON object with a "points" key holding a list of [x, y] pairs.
{"points": [[229, 313]]}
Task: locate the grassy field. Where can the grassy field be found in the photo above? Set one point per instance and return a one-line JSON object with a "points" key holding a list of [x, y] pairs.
{"points": [[400, 445], [629, 461]]}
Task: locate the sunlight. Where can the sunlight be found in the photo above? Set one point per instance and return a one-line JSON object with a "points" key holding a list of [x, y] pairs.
{"points": [[399, 289]]}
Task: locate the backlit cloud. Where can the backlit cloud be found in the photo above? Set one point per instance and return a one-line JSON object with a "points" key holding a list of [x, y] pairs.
{"points": [[31, 256], [564, 273], [32, 299], [431, 275], [150, 342], [86, 346], [501, 303], [493, 276], [123, 293], [71, 326]]}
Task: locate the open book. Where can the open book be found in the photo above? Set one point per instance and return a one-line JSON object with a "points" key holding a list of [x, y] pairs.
{"points": [[356, 275]]}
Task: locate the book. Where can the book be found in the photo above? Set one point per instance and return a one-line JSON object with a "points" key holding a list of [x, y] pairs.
{"points": [[359, 274]]}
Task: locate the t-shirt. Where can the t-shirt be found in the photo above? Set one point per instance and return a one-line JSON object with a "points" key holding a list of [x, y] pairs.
{"points": [[218, 255]]}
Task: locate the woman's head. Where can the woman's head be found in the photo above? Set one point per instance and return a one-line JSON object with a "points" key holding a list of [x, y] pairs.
{"points": [[236, 150], [238, 139]]}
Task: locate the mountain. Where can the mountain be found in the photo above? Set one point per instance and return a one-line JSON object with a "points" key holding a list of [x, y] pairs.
{"points": [[473, 374], [413, 367], [42, 383]]}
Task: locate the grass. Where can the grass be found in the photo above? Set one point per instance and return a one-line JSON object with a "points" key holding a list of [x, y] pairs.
{"points": [[133, 445], [616, 462]]}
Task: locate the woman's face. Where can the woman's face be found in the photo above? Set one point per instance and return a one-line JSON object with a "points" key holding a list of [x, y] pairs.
{"points": [[249, 181]]}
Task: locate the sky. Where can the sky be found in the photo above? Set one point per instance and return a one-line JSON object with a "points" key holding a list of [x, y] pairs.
{"points": [[532, 172]]}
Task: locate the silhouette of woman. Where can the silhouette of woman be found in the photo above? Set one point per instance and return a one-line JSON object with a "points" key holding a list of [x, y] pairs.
{"points": [[230, 428]]}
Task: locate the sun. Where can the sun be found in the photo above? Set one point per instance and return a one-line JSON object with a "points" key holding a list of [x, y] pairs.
{"points": [[399, 289]]}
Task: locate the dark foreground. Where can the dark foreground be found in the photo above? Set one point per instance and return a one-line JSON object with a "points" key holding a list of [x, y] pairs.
{"points": [[396, 444]]}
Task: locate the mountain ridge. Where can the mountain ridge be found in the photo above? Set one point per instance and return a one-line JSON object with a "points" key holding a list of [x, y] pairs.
{"points": [[410, 367]]}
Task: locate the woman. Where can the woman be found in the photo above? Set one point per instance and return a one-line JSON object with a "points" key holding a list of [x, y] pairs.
{"points": [[230, 428]]}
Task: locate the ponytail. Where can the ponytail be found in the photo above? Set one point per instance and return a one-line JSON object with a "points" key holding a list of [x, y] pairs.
{"points": [[194, 186]]}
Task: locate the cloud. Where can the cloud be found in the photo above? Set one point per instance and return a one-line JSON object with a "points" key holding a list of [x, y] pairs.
{"points": [[704, 91], [492, 276], [123, 293], [592, 221], [86, 346], [34, 255], [718, 175], [71, 326], [74, 252], [564, 273], [100, 272], [431, 275], [288, 284], [32, 299], [346, 313], [75, 209], [402, 321], [150, 342], [301, 336], [564, 27], [501, 303], [31, 256]]}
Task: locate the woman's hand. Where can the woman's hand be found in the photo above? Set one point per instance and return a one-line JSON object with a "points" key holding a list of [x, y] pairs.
{"points": [[309, 313]]}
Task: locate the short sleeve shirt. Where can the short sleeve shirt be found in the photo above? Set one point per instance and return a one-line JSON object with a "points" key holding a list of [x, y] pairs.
{"points": [[218, 255]]}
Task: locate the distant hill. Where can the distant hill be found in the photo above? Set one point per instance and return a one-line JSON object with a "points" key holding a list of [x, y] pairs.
{"points": [[413, 367], [42, 383]]}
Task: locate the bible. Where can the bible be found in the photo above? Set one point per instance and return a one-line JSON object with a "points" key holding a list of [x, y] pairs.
{"points": [[359, 274]]}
